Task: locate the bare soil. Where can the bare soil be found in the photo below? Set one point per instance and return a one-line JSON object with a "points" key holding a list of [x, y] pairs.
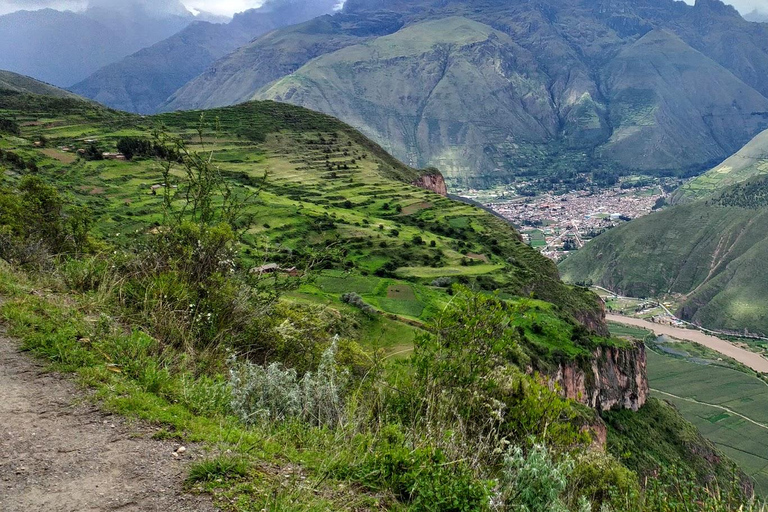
{"points": [[61, 453]]}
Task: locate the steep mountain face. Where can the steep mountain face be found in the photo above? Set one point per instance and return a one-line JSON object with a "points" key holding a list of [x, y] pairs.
{"points": [[486, 90], [709, 251], [615, 378], [144, 80], [23, 84], [64, 47], [666, 112], [139, 82], [234, 78]]}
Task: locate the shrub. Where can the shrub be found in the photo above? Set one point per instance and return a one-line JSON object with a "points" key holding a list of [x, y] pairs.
{"points": [[534, 482], [442, 282], [9, 126], [223, 467], [357, 301], [422, 476], [602, 480], [274, 393]]}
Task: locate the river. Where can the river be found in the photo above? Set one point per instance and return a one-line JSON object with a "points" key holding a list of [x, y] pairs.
{"points": [[745, 357]]}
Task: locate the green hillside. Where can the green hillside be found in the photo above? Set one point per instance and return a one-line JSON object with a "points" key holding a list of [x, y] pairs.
{"points": [[749, 161], [709, 251], [315, 333], [327, 189], [23, 84]]}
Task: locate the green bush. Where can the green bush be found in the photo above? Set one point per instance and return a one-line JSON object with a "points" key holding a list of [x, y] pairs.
{"points": [[534, 481], [420, 476]]}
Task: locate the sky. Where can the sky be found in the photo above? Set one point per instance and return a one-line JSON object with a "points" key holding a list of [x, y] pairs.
{"points": [[229, 7]]}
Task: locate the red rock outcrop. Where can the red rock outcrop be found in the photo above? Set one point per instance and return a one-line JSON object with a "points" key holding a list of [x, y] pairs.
{"points": [[433, 181], [615, 378]]}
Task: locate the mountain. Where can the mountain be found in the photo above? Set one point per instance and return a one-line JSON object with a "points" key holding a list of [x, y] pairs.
{"points": [[23, 84], [749, 161], [141, 82], [707, 248], [488, 90], [234, 78], [363, 257], [757, 16], [708, 252], [64, 47]]}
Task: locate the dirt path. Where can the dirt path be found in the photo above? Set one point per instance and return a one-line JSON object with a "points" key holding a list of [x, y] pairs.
{"points": [[59, 453], [751, 359]]}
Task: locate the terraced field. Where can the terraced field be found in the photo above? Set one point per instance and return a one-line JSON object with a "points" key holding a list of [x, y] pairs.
{"points": [[326, 201]]}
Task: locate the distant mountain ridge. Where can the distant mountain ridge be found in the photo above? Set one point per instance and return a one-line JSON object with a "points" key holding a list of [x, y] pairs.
{"points": [[64, 47], [551, 87], [23, 84], [757, 16], [141, 82]]}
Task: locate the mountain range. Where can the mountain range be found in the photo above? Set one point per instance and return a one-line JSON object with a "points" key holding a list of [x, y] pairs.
{"points": [[63, 47], [143, 81], [488, 90]]}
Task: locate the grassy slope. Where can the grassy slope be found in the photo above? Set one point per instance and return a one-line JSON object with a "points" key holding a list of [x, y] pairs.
{"points": [[749, 161], [708, 250], [296, 196], [23, 84], [306, 206]]}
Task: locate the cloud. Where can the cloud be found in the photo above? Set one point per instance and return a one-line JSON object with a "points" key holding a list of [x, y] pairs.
{"points": [[224, 7], [746, 6]]}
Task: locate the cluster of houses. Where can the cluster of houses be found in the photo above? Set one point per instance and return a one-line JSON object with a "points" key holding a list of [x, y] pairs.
{"points": [[81, 151], [274, 268]]}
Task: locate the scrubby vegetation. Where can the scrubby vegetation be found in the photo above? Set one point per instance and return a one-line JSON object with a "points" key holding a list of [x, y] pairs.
{"points": [[181, 316]]}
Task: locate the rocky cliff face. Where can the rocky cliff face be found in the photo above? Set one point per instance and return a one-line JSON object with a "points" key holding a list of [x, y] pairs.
{"points": [[433, 181], [614, 379], [594, 319]]}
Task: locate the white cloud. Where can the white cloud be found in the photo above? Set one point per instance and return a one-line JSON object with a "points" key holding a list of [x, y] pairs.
{"points": [[225, 7]]}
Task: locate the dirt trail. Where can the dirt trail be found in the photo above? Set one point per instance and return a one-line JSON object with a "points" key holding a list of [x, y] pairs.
{"points": [[745, 357], [59, 453]]}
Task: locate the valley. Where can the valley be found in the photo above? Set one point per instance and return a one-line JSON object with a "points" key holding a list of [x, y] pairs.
{"points": [[342, 263], [556, 224], [407, 255]]}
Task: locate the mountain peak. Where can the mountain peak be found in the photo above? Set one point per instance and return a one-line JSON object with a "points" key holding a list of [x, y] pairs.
{"points": [[717, 6]]}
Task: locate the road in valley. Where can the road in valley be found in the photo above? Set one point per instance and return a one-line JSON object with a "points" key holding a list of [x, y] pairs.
{"points": [[745, 357]]}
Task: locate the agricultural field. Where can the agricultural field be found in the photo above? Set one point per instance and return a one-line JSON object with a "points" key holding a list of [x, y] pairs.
{"points": [[725, 400], [627, 331], [729, 407], [325, 204]]}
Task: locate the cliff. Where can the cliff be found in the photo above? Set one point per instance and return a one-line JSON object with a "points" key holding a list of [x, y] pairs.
{"points": [[594, 318], [433, 181], [615, 378]]}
